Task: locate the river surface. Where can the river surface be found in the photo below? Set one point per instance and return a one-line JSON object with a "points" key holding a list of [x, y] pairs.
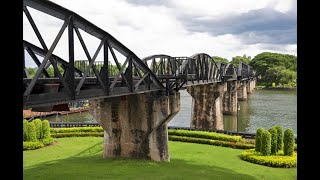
{"points": [[264, 108]]}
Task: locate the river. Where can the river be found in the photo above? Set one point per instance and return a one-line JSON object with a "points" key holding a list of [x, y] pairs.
{"points": [[264, 108]]}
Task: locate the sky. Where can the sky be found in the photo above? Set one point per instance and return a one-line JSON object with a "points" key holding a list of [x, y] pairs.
{"points": [[178, 27]]}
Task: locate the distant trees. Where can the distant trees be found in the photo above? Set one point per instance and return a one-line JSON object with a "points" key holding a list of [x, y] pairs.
{"points": [[220, 59], [276, 68], [236, 60]]}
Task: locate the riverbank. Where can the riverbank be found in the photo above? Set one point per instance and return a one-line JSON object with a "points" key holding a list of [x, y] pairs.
{"points": [[281, 88]]}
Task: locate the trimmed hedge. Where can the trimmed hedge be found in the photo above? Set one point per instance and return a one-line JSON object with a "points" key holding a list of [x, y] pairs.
{"points": [[235, 145], [32, 145], [206, 135], [258, 139], [266, 143], [279, 138], [288, 141], [46, 129], [76, 129], [47, 141], [25, 130], [37, 144], [272, 161], [38, 125], [274, 142], [32, 136], [77, 134]]}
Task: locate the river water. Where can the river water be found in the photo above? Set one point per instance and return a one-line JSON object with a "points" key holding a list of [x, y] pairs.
{"points": [[264, 108]]}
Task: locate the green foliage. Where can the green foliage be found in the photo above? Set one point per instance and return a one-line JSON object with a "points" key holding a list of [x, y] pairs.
{"points": [[32, 71], [76, 129], [258, 139], [25, 130], [266, 143], [274, 67], [236, 145], [274, 141], [38, 124], [47, 141], [220, 59], [206, 135], [37, 144], [32, 145], [279, 138], [77, 134], [273, 161], [46, 129], [32, 136], [236, 60], [288, 141]]}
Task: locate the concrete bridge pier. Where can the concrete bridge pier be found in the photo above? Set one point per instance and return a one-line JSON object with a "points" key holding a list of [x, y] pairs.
{"points": [[242, 91], [230, 98], [207, 105], [136, 125]]}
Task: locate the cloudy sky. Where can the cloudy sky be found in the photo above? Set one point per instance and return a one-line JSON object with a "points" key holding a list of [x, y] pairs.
{"points": [[179, 27]]}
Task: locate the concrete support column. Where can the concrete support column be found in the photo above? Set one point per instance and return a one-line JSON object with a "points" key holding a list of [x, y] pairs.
{"points": [[249, 86], [230, 98], [242, 91], [136, 125], [207, 105]]}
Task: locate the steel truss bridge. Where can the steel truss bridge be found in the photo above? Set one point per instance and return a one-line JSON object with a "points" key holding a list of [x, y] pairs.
{"points": [[89, 79]]}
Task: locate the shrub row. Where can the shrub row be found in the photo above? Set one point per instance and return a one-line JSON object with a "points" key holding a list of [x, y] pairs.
{"points": [[37, 144], [206, 135], [272, 161], [77, 134], [236, 145], [32, 145], [76, 129]]}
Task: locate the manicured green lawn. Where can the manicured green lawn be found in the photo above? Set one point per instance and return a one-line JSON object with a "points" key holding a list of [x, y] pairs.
{"points": [[81, 158]]}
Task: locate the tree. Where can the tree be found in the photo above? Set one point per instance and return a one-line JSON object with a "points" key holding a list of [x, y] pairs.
{"points": [[220, 59], [275, 68], [236, 60]]}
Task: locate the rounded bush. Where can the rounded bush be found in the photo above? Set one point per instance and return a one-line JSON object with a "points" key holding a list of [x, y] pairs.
{"points": [[288, 142], [266, 143], [258, 139], [273, 161], [279, 138], [38, 124], [46, 129], [274, 141], [25, 130], [32, 136]]}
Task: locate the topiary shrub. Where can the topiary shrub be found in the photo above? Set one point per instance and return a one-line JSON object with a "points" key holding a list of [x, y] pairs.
{"points": [[288, 141], [32, 136], [46, 129], [38, 124], [266, 143], [25, 130], [280, 137], [274, 141], [258, 139]]}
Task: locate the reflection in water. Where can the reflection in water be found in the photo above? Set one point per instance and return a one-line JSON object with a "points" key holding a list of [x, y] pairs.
{"points": [[264, 108]]}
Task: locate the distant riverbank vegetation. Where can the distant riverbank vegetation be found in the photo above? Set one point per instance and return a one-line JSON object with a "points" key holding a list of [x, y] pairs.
{"points": [[273, 69]]}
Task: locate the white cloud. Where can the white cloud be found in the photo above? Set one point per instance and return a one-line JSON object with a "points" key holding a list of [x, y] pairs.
{"points": [[156, 29]]}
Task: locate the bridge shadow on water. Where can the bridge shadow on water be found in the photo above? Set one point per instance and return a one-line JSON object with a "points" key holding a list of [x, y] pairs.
{"points": [[89, 164]]}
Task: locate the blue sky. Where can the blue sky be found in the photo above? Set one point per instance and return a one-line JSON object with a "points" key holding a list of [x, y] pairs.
{"points": [[179, 27]]}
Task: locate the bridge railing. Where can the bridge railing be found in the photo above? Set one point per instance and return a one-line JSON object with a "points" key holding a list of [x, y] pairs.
{"points": [[70, 83]]}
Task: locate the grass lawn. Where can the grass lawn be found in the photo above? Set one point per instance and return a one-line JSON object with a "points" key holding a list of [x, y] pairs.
{"points": [[81, 158]]}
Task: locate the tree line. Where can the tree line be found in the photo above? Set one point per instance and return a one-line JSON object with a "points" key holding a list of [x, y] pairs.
{"points": [[271, 68]]}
